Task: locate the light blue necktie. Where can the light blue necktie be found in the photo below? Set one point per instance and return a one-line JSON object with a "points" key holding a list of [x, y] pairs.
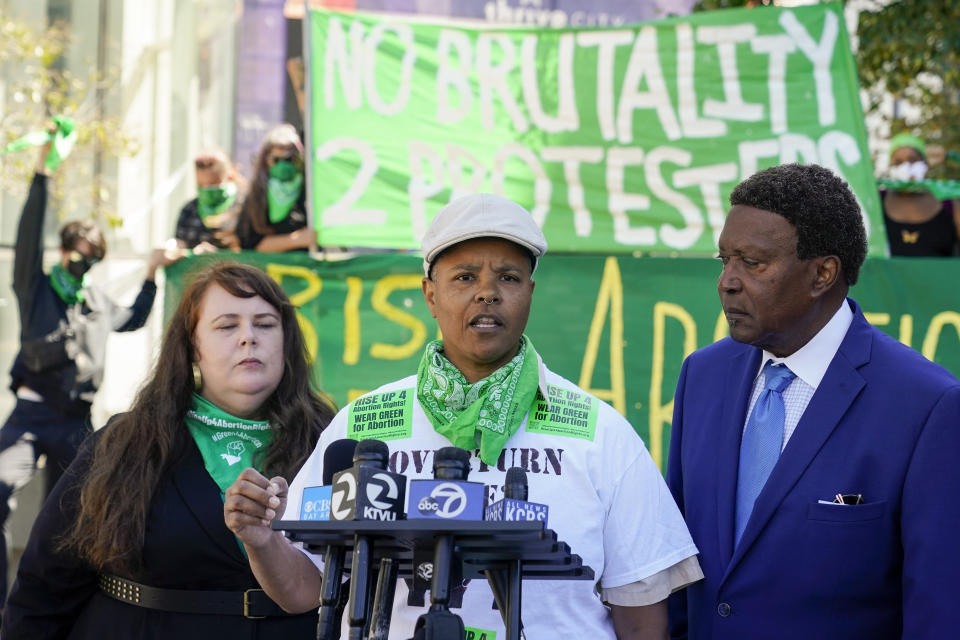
{"points": [[762, 441]]}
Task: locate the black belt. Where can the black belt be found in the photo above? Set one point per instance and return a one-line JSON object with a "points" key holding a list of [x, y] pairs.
{"points": [[252, 603]]}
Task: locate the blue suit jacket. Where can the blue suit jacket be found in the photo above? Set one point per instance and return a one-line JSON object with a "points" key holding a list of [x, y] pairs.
{"points": [[885, 423]]}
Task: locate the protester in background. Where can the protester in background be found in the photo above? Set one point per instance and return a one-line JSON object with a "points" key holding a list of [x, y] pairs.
{"points": [[274, 218], [918, 224], [207, 223], [814, 457], [132, 543], [478, 389], [64, 325]]}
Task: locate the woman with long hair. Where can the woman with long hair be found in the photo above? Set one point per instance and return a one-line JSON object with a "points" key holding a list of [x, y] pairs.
{"points": [[274, 218], [132, 542]]}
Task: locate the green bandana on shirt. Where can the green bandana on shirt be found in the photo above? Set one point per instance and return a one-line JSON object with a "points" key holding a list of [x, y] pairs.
{"points": [[489, 410], [227, 443], [283, 190], [216, 199], [69, 288]]}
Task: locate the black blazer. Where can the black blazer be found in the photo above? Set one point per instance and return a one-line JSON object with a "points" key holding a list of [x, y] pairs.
{"points": [[187, 546]]}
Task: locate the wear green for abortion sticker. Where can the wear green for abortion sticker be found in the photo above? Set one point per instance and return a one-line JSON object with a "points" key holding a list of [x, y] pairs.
{"points": [[384, 416], [570, 413], [480, 634]]}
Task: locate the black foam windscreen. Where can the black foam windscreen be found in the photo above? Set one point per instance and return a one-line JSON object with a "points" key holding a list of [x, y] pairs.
{"points": [[372, 453], [451, 463], [515, 484], [337, 457]]}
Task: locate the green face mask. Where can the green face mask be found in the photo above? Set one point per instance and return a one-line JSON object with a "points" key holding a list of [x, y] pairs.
{"points": [[215, 199], [283, 190]]}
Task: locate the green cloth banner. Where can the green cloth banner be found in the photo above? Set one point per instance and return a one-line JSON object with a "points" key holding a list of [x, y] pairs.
{"points": [[618, 141], [627, 322], [941, 189]]}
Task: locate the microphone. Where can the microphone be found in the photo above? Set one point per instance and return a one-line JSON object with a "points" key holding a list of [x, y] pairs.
{"points": [[450, 464], [446, 497], [368, 491], [336, 458], [514, 507], [365, 492]]}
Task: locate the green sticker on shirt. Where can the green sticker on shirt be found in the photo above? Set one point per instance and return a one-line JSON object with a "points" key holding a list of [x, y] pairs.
{"points": [[480, 634], [382, 416], [570, 413]]}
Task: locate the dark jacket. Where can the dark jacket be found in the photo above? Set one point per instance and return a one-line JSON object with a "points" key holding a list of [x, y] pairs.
{"points": [[187, 546], [42, 363]]}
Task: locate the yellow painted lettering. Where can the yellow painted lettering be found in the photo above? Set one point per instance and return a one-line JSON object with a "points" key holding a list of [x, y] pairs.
{"points": [[722, 329], [381, 292], [662, 413], [877, 319], [309, 336], [937, 323], [351, 321], [906, 329], [609, 298], [314, 283]]}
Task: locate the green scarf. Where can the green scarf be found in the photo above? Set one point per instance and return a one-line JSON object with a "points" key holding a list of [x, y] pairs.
{"points": [[489, 410], [227, 443], [69, 288], [215, 199], [63, 139], [283, 190]]}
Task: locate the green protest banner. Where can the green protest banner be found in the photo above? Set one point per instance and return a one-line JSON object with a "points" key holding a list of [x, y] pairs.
{"points": [[619, 327], [618, 141]]}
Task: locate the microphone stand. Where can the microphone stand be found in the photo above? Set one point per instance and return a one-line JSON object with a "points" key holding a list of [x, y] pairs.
{"points": [[382, 609], [328, 627], [439, 623]]}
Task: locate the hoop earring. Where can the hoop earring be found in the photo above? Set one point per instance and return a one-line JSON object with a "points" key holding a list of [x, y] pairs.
{"points": [[197, 377]]}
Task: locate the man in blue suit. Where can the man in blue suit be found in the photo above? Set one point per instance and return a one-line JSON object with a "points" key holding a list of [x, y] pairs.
{"points": [[816, 460]]}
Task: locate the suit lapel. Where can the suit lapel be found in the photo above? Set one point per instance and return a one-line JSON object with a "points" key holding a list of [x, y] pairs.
{"points": [[736, 395], [198, 491], [840, 386]]}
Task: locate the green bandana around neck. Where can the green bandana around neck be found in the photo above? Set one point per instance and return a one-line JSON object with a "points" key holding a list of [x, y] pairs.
{"points": [[68, 287], [227, 443], [283, 190], [490, 410], [63, 139], [215, 199]]}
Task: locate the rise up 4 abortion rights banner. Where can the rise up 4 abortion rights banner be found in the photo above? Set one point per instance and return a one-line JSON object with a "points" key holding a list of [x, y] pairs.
{"points": [[618, 140], [627, 323]]}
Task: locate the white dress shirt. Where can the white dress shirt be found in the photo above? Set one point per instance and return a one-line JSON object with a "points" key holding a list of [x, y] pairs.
{"points": [[809, 363]]}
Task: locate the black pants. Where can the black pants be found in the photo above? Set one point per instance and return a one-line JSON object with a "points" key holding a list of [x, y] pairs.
{"points": [[34, 428]]}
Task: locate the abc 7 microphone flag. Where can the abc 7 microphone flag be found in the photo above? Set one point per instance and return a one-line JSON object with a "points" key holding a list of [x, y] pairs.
{"points": [[446, 500]]}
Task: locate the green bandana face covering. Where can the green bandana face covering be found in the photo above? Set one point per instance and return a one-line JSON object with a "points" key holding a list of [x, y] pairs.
{"points": [[227, 443], [68, 287], [488, 411], [215, 199], [283, 190]]}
